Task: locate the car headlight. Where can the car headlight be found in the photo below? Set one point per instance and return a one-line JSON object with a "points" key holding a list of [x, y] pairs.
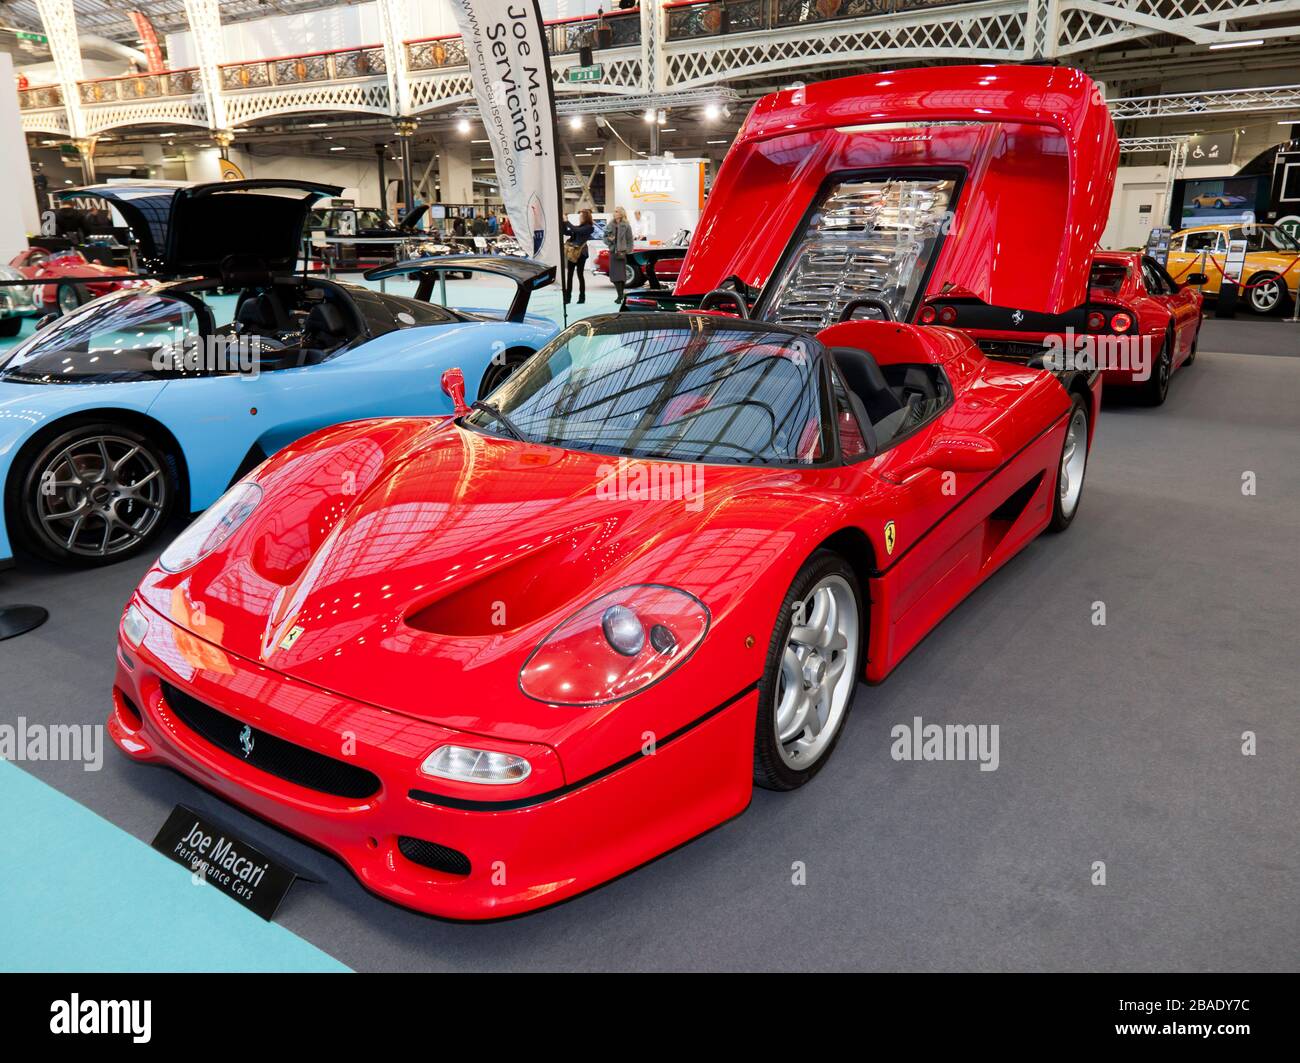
{"points": [[614, 647], [212, 529], [464, 764], [135, 625]]}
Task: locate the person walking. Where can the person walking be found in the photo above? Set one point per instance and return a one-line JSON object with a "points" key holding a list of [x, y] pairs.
{"points": [[618, 238], [575, 254]]}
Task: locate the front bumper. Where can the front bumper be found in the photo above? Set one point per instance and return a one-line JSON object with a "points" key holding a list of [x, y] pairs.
{"points": [[520, 858]]}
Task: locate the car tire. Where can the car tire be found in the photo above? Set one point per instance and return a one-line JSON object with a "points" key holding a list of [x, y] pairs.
{"points": [[70, 297], [810, 675], [10, 326], [93, 512], [498, 372], [1191, 355], [635, 276], [1267, 293], [1156, 389], [1072, 468]]}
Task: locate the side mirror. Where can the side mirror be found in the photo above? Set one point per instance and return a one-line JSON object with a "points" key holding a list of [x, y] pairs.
{"points": [[958, 452], [1195, 279], [453, 386]]}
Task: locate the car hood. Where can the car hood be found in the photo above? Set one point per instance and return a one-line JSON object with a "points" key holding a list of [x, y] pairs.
{"points": [[1016, 134], [454, 554], [190, 229]]}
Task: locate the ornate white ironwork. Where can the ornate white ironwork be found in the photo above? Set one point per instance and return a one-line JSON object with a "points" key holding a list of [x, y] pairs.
{"points": [[1085, 25], [368, 96], [438, 89], [1218, 101], [395, 54], [687, 47], [992, 30], [653, 71], [47, 120], [60, 21], [205, 32], [178, 110]]}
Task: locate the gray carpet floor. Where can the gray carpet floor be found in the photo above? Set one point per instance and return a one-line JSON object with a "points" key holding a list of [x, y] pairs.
{"points": [[1119, 744]]}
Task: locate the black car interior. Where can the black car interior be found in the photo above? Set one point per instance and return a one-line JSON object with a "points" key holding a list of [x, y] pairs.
{"points": [[296, 321], [891, 400]]}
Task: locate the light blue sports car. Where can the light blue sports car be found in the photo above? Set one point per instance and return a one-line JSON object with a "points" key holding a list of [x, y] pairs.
{"points": [[140, 405]]}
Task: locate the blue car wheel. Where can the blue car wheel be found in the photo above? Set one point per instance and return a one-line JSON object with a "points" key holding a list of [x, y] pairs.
{"points": [[94, 494]]}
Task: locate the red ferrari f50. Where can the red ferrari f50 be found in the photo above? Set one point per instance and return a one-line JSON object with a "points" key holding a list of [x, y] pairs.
{"points": [[496, 659]]}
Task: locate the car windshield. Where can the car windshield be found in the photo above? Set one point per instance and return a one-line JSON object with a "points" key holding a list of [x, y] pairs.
{"points": [[1267, 238], [686, 387], [124, 336], [1107, 277]]}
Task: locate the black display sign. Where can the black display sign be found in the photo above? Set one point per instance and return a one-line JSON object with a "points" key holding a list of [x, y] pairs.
{"points": [[225, 861]]}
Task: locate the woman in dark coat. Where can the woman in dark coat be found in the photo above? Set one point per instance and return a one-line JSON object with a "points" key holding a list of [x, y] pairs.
{"points": [[618, 236], [575, 254]]}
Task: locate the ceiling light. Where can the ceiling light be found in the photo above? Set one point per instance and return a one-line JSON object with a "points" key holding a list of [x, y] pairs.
{"points": [[462, 126], [715, 141], [1236, 44], [317, 125], [668, 129], [712, 112], [480, 142], [575, 121], [649, 114], [338, 147]]}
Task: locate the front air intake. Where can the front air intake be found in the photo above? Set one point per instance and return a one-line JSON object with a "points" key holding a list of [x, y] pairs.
{"points": [[432, 855], [266, 752]]}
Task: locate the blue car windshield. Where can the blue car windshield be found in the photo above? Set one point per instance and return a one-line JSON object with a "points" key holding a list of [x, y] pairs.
{"points": [[132, 335], [678, 387]]}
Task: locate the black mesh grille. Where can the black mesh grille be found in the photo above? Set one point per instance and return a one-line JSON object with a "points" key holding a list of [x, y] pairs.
{"points": [[431, 854], [273, 755]]}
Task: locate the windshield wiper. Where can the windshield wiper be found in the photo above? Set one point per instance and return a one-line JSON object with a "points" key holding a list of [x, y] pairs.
{"points": [[492, 410]]}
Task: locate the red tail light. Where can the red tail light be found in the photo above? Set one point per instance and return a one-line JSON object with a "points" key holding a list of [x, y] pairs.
{"points": [[1096, 321], [948, 315], [926, 316], [1121, 322]]}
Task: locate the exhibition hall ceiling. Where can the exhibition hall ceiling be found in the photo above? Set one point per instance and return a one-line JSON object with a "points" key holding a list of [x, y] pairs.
{"points": [[112, 18]]}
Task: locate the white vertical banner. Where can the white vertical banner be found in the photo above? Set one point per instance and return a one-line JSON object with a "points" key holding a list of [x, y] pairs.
{"points": [[505, 45]]}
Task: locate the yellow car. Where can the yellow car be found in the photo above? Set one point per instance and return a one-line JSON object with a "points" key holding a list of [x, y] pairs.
{"points": [[1272, 272]]}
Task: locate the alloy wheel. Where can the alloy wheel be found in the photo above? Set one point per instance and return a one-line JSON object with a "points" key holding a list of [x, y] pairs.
{"points": [[1265, 296], [100, 495], [818, 672], [1074, 458]]}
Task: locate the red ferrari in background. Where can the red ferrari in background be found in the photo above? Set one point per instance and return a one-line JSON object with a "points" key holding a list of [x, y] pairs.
{"points": [[651, 264], [39, 264], [1137, 326], [493, 660]]}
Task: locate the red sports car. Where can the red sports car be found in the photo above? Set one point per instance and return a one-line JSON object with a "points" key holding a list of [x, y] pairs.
{"points": [[496, 659], [1137, 326], [649, 264], [39, 264]]}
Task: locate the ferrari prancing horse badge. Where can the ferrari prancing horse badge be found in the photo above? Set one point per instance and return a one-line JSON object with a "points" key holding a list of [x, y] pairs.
{"points": [[890, 537]]}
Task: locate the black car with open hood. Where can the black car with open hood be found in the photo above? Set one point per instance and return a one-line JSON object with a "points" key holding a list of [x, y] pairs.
{"points": [[191, 229]]}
